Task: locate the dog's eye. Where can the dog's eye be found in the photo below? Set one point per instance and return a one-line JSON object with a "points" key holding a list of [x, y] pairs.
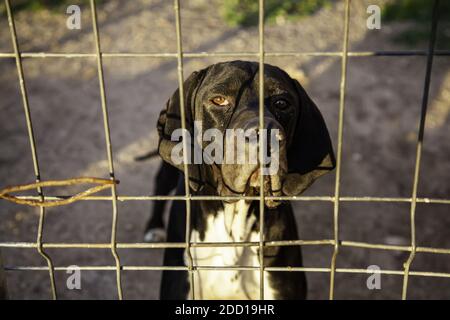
{"points": [[281, 104], [220, 101]]}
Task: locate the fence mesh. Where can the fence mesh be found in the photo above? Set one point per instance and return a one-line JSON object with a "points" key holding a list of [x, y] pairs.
{"points": [[336, 199]]}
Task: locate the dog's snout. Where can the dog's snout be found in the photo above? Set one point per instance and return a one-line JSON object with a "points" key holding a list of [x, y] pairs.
{"points": [[271, 140], [261, 152], [272, 134], [270, 125]]}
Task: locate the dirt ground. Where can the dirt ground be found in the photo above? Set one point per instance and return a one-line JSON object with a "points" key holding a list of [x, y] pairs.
{"points": [[383, 103]]}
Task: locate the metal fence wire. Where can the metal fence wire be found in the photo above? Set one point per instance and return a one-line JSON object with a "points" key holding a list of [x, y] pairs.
{"points": [[336, 199]]}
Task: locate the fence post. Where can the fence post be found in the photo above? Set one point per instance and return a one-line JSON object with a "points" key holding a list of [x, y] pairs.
{"points": [[3, 291]]}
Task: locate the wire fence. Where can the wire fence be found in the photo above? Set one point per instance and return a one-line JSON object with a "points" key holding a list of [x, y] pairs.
{"points": [[42, 201]]}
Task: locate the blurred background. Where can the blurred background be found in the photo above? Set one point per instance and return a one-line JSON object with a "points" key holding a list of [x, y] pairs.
{"points": [[380, 132]]}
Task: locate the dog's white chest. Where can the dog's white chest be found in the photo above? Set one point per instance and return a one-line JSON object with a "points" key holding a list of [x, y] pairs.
{"points": [[229, 225]]}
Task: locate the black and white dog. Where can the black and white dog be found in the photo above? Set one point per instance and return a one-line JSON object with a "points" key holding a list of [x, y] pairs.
{"points": [[225, 96]]}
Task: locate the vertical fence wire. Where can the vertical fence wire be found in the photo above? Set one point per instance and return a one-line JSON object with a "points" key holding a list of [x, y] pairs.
{"points": [[339, 148], [26, 106], [261, 146], [185, 146], [107, 130], [420, 137]]}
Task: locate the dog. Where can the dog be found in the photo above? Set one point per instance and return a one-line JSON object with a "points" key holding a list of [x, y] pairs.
{"points": [[166, 181], [223, 97]]}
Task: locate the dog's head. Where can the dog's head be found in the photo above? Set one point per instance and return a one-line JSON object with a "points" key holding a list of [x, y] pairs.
{"points": [[223, 132]]}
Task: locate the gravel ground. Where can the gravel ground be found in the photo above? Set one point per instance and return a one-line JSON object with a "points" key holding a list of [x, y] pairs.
{"points": [[382, 112]]}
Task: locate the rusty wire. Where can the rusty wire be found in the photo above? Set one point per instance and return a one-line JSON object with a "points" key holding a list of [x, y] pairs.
{"points": [[42, 200]]}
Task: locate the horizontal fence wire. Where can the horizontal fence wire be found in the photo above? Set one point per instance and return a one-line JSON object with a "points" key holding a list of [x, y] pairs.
{"points": [[124, 198], [397, 53], [336, 199], [172, 245], [237, 268]]}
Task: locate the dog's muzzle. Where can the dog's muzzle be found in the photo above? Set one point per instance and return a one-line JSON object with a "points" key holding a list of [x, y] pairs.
{"points": [[243, 176]]}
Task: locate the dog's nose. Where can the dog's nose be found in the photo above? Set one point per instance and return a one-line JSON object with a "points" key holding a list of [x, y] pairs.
{"points": [[270, 133], [269, 125], [271, 138]]}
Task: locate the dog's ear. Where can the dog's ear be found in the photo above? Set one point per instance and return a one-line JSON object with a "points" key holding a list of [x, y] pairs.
{"points": [[170, 120], [310, 154]]}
